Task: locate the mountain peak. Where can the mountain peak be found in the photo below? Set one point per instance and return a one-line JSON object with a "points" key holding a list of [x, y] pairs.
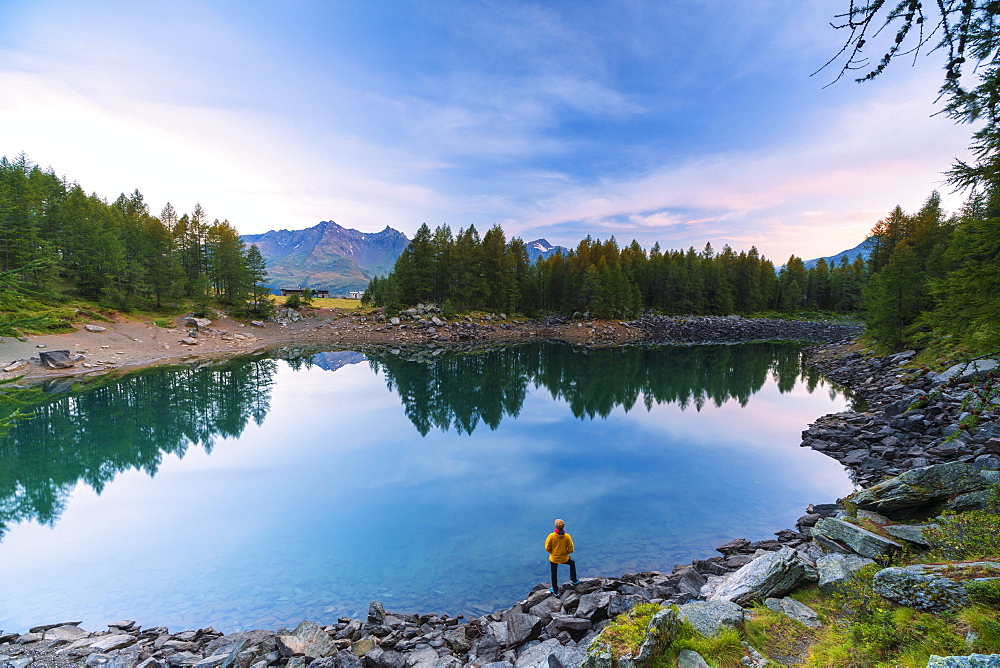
{"points": [[541, 248], [328, 255]]}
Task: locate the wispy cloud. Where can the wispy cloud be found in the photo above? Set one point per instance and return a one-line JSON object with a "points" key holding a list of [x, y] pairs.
{"points": [[603, 118]]}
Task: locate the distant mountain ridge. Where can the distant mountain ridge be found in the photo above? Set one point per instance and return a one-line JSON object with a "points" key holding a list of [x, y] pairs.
{"points": [[328, 256], [541, 248], [864, 249]]}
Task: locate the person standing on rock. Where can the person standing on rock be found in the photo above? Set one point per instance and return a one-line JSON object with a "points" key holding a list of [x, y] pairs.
{"points": [[559, 545]]}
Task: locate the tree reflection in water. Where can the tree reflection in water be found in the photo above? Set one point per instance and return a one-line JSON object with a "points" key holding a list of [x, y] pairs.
{"points": [[99, 429], [93, 433], [461, 390]]}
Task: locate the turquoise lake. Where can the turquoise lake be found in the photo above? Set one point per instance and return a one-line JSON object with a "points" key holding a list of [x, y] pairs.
{"points": [[261, 492]]}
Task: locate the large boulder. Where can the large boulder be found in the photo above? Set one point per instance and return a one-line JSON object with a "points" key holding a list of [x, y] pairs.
{"points": [[521, 628], [772, 574], [965, 370], [840, 536], [688, 658], [921, 488], [57, 359], [920, 587], [837, 569], [380, 658], [793, 609], [537, 656], [376, 612], [592, 603], [545, 608], [567, 656], [913, 533], [308, 640], [708, 617]]}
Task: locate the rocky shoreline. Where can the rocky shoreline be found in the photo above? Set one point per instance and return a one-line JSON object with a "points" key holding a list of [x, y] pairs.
{"points": [[912, 419], [124, 344]]}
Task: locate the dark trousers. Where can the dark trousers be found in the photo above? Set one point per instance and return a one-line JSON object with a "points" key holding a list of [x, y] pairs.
{"points": [[572, 572]]}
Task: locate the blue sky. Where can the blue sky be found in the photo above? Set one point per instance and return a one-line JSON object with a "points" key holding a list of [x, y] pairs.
{"points": [[682, 122]]}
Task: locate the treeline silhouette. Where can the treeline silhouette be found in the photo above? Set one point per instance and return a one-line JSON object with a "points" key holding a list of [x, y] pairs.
{"points": [[460, 391], [54, 237], [465, 272], [126, 424]]}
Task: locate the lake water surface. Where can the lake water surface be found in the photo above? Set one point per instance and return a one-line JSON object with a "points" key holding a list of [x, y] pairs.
{"points": [[268, 491]]}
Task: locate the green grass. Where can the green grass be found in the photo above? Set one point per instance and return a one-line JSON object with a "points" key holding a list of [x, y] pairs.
{"points": [[625, 633], [860, 628]]}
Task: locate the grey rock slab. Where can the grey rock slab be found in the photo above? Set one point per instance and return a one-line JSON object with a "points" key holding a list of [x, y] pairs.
{"points": [[112, 642], [342, 660], [620, 604], [918, 587], [688, 658], [913, 533], [709, 617], [183, 659], [545, 608], [316, 642], [571, 623], [457, 640], [772, 574], [57, 359], [151, 662], [74, 646], [424, 658], [379, 658], [965, 370], [66, 633], [538, 655], [95, 328], [971, 661], [15, 365], [835, 534], [41, 628], [522, 627], [498, 630], [567, 656], [22, 662], [796, 610], [921, 487], [837, 569], [593, 602], [971, 501], [213, 661]]}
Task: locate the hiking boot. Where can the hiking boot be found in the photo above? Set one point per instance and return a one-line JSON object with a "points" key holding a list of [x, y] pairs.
{"points": [[552, 590], [576, 582]]}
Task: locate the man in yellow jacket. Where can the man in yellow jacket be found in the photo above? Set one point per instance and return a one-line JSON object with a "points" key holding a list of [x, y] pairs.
{"points": [[559, 545]]}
